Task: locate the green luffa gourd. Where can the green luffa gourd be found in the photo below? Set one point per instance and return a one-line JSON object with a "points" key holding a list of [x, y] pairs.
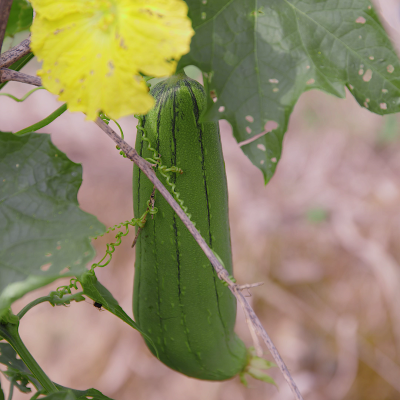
{"points": [[178, 299]]}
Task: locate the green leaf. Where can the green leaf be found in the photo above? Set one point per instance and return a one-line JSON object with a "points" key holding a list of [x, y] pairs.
{"points": [[99, 294], [8, 357], [61, 395], [85, 394], [16, 369], [260, 56], [20, 19], [43, 233], [20, 380]]}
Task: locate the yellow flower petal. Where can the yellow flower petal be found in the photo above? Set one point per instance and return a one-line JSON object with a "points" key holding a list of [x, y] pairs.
{"points": [[94, 50]]}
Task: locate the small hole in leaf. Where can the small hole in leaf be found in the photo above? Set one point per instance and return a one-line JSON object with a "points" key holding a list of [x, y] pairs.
{"points": [[45, 267], [384, 90], [270, 126], [360, 71], [310, 81], [360, 20], [275, 89], [221, 109], [367, 76], [371, 58], [273, 81], [383, 106], [262, 162], [351, 87], [249, 118], [248, 130], [261, 147], [64, 271], [273, 159], [390, 68]]}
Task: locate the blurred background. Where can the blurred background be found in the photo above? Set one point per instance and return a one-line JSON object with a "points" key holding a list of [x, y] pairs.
{"points": [[323, 236]]}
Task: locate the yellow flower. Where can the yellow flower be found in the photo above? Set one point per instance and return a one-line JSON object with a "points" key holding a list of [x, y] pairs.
{"points": [[94, 50]]}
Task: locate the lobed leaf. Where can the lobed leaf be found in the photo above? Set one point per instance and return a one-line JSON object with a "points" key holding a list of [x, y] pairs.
{"points": [[44, 235], [260, 56], [8, 357], [16, 369]]}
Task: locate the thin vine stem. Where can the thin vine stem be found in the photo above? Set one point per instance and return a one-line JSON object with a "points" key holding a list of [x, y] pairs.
{"points": [[44, 122], [24, 97], [53, 300]]}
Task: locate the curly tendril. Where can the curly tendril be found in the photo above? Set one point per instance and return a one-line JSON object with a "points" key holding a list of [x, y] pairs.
{"points": [[63, 290], [107, 120], [140, 222], [164, 170]]}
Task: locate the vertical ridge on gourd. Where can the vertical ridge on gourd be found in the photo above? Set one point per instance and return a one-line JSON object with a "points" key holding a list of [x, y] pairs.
{"points": [[178, 299]]}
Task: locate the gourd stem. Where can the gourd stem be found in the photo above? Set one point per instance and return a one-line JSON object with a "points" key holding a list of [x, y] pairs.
{"points": [[10, 333]]}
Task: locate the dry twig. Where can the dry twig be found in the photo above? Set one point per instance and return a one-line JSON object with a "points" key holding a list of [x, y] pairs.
{"points": [[5, 7], [11, 75], [17, 52]]}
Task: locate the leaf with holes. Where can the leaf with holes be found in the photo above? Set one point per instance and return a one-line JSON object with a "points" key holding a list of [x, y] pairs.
{"points": [[16, 369], [8, 357], [43, 233], [20, 19], [260, 56]]}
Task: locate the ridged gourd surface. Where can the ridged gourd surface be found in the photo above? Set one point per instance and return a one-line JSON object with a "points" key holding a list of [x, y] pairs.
{"points": [[178, 299]]}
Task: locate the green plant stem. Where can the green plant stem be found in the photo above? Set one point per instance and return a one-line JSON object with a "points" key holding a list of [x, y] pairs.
{"points": [[52, 300], [10, 333], [22, 98], [43, 122]]}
